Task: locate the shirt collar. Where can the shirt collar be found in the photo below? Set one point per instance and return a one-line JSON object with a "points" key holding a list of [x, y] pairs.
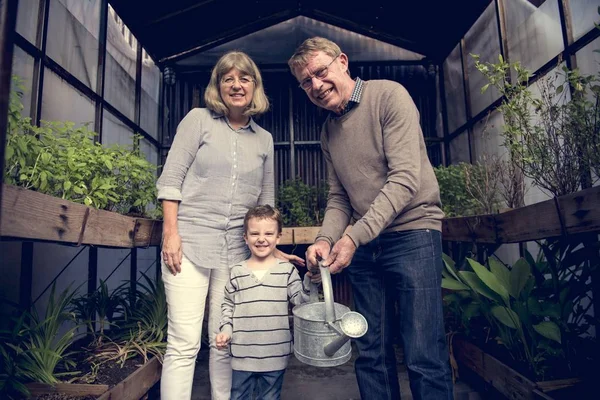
{"points": [[355, 98], [252, 125]]}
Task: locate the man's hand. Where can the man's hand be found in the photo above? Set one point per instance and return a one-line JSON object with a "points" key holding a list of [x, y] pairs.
{"points": [[292, 258], [341, 254], [316, 252], [222, 341], [171, 252]]}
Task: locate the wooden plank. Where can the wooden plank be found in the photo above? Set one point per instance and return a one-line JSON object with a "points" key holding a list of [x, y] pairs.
{"points": [[31, 215], [468, 354], [477, 228], [549, 386], [506, 380], [581, 211], [137, 384], [305, 235], [287, 236], [73, 389], [537, 221], [147, 232]]}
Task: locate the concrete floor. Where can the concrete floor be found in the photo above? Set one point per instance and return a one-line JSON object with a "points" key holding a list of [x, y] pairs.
{"points": [[304, 382]]}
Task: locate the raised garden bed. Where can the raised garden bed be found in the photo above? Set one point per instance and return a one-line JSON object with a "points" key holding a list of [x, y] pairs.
{"points": [[505, 379], [131, 382]]}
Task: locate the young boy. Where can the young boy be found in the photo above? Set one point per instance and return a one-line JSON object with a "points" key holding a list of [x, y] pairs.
{"points": [[255, 318]]}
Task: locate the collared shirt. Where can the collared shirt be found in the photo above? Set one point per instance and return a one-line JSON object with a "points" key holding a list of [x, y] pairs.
{"points": [[354, 99], [217, 174]]}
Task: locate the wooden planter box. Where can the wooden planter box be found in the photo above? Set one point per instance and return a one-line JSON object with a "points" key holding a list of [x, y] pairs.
{"points": [[503, 378], [31, 215], [134, 387]]}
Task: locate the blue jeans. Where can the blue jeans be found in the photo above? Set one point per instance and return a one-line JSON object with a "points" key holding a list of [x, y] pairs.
{"points": [[405, 267], [256, 385]]}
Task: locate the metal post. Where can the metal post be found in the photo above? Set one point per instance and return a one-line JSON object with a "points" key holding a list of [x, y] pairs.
{"points": [[8, 20]]}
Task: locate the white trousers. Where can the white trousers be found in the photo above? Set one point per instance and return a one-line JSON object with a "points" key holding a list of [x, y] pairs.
{"points": [[186, 299]]}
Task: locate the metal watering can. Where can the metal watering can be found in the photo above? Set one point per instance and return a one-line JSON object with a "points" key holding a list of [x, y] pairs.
{"points": [[320, 338]]}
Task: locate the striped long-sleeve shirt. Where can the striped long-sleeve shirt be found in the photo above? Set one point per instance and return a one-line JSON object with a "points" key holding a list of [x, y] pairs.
{"points": [[255, 315]]}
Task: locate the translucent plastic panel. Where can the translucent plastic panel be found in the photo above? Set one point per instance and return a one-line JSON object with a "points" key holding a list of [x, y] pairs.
{"points": [[73, 27], [150, 96], [23, 68], [487, 137], [62, 102], [534, 33], [27, 19], [584, 13], [149, 151], [483, 40], [119, 81], [588, 60], [454, 87], [459, 149], [115, 131]]}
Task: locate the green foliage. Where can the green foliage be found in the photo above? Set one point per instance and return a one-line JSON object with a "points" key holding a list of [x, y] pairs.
{"points": [[551, 138], [538, 308], [301, 204], [143, 329], [456, 199], [37, 348], [100, 309], [62, 160]]}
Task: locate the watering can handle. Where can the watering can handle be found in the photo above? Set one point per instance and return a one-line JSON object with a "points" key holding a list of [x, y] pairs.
{"points": [[328, 294]]}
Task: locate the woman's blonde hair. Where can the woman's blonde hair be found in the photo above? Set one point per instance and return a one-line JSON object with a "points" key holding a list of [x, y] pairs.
{"points": [[309, 48], [243, 63]]}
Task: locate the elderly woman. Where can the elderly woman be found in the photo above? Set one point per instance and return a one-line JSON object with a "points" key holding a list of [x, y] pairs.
{"points": [[219, 166]]}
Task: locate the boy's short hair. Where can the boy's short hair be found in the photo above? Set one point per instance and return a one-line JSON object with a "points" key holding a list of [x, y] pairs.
{"points": [[264, 212]]}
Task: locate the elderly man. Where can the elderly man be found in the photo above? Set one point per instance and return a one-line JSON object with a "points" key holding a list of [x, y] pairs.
{"points": [[382, 184]]}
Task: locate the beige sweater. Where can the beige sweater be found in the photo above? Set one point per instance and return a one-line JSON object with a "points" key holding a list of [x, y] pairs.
{"points": [[378, 170]]}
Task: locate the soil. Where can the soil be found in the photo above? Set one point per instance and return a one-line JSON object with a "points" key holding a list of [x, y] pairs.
{"points": [[109, 373]]}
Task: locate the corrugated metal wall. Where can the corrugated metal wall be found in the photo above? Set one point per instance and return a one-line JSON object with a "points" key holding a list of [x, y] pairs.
{"points": [[297, 151]]}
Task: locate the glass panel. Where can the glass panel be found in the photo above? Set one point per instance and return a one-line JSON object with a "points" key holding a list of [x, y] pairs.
{"points": [[482, 39], [459, 149], [23, 68], [62, 102], [584, 14], [114, 266], [534, 33], [150, 95], [487, 136], [454, 87], [119, 81], [27, 18], [115, 131], [73, 27], [147, 260]]}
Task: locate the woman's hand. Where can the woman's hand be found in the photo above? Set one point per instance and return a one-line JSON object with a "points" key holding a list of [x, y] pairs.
{"points": [[294, 259], [171, 252]]}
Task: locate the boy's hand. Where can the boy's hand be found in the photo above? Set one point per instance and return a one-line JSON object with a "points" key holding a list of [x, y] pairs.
{"points": [[315, 277], [222, 341]]}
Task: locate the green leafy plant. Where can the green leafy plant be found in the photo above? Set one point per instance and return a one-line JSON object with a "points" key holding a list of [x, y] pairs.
{"points": [[549, 137], [456, 199], [301, 204], [144, 331], [100, 309], [62, 160], [36, 349], [538, 309]]}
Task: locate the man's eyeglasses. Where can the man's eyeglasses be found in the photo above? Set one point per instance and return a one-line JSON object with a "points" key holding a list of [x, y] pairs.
{"points": [[321, 73], [230, 80]]}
